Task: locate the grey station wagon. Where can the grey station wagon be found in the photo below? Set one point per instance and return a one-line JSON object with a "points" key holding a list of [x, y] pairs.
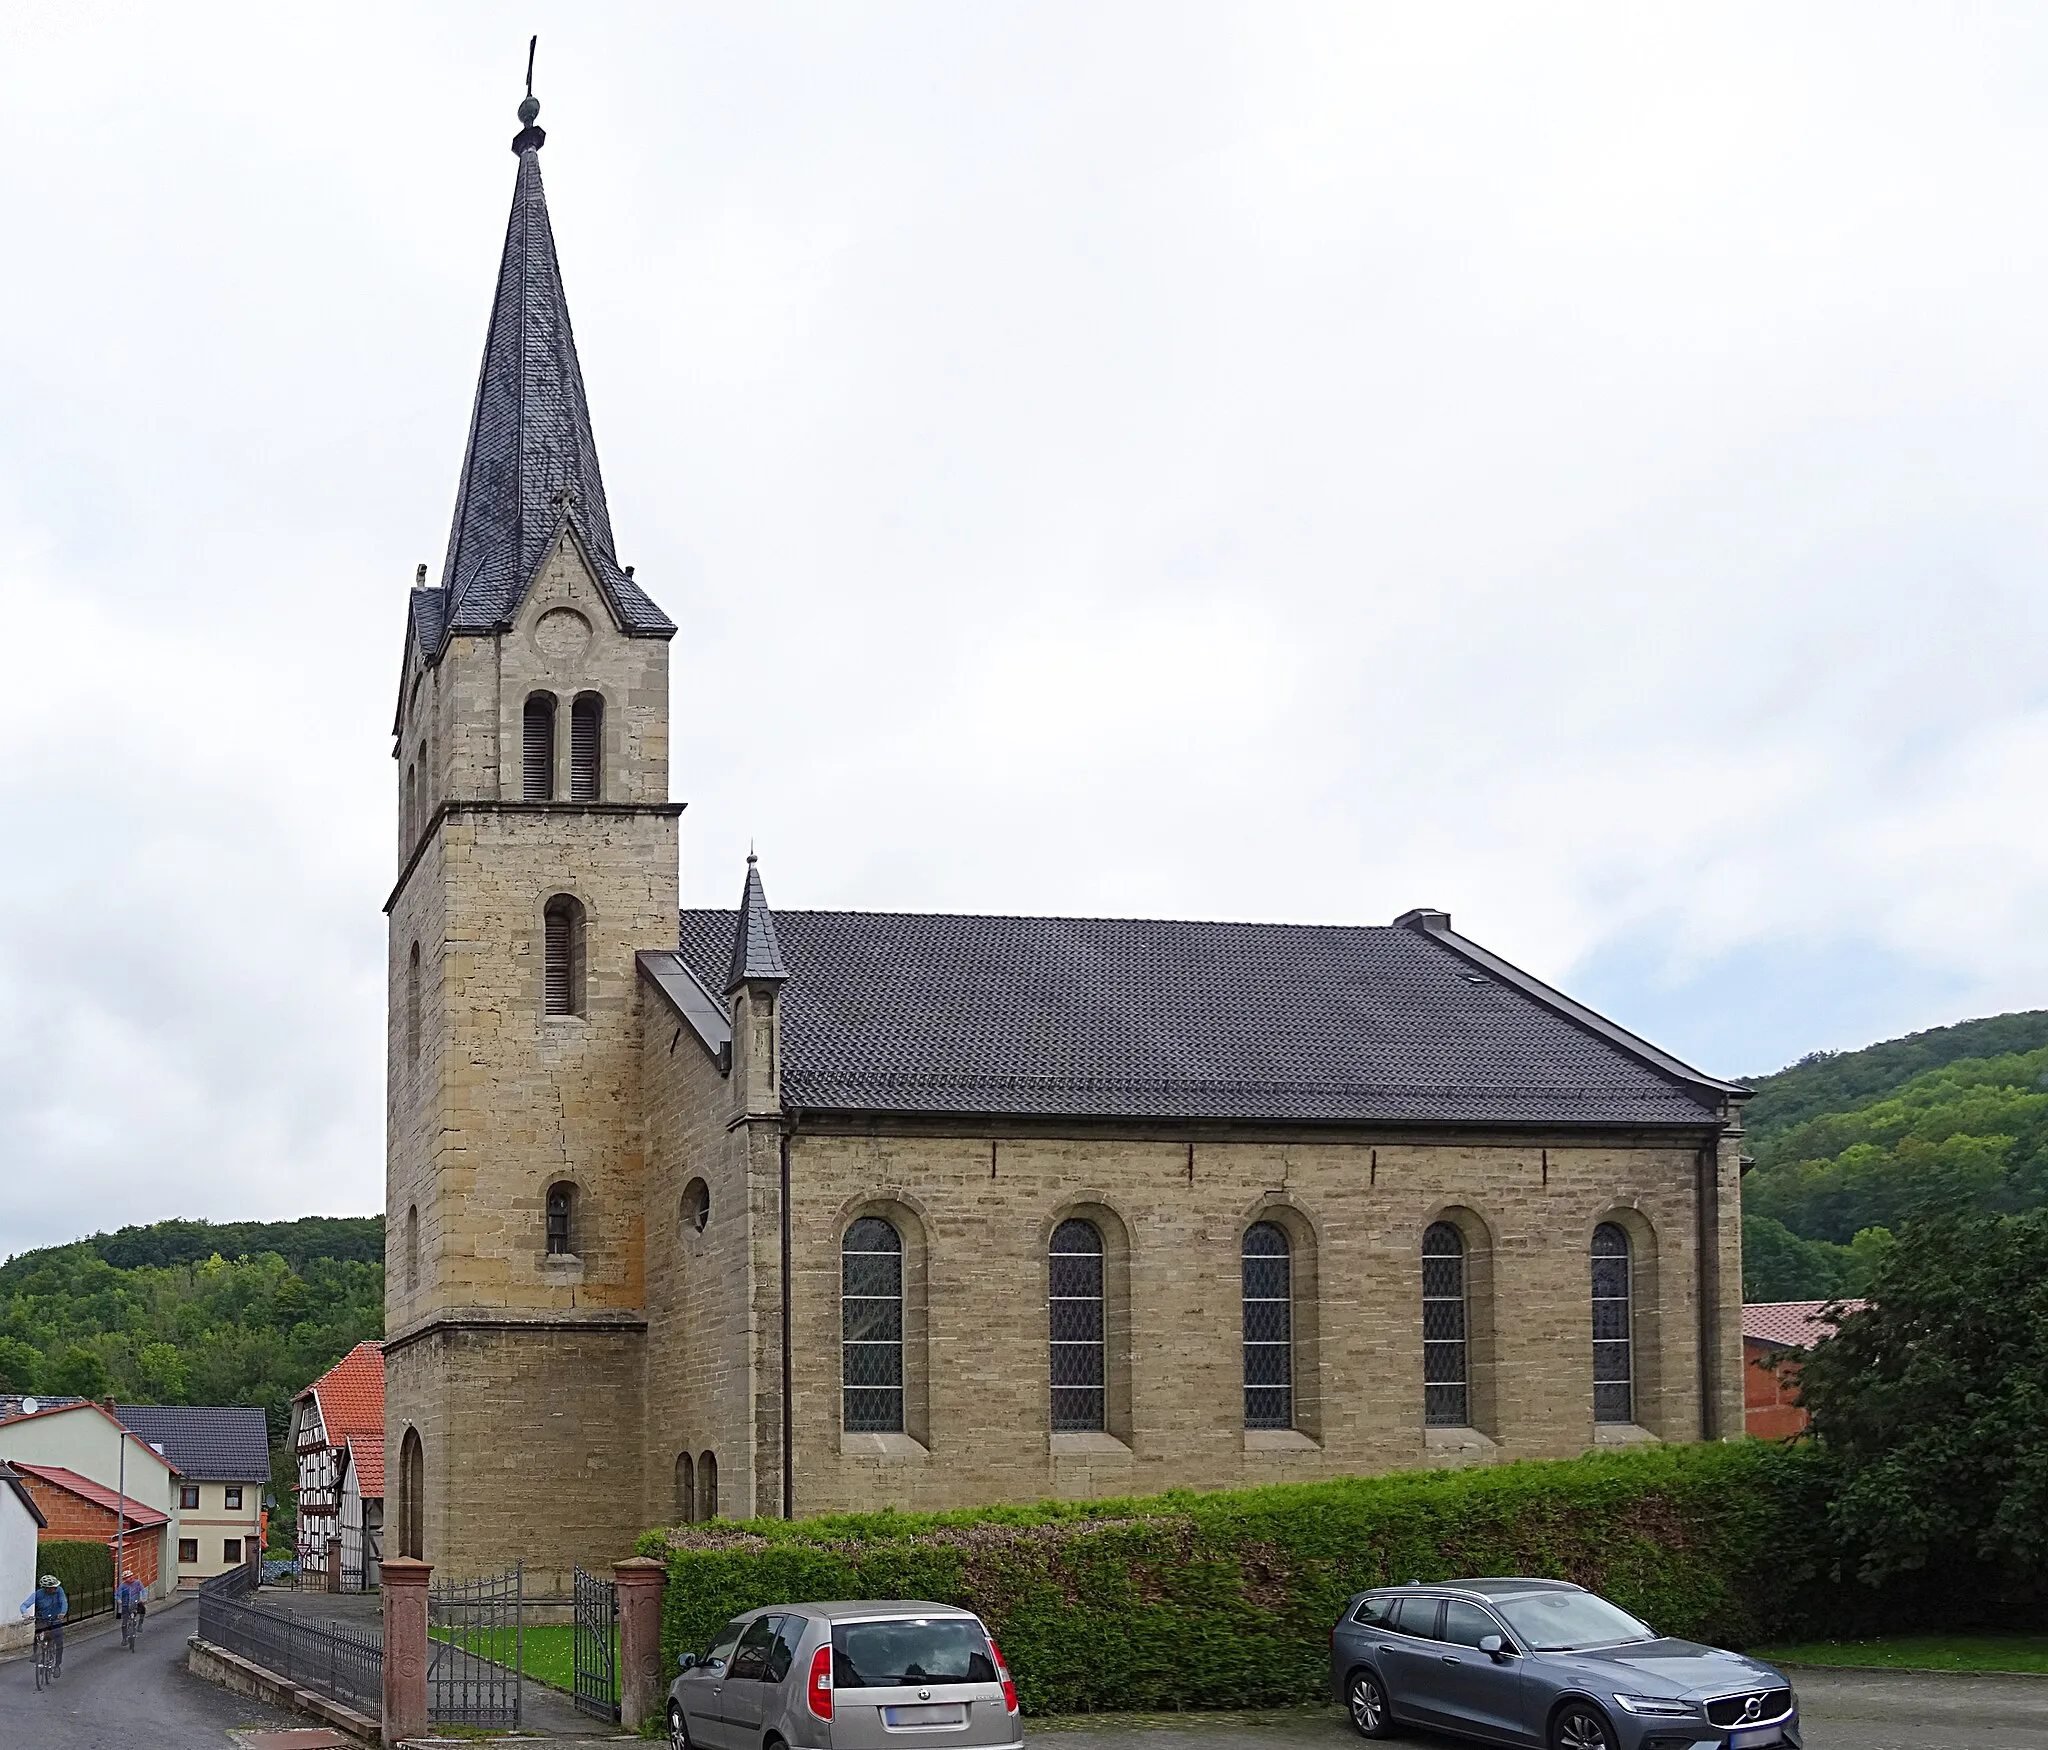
{"points": [[894, 1675], [1543, 1662]]}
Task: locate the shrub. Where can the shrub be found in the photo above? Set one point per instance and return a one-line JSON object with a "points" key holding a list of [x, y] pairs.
{"points": [[85, 1570], [1226, 1600]]}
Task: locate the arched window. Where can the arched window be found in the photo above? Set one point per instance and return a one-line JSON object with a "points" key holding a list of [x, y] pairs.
{"points": [[1075, 1281], [696, 1206], [871, 1328], [686, 1489], [561, 1220], [412, 803], [586, 747], [1445, 1329], [1268, 1327], [412, 1247], [540, 748], [707, 1487], [412, 1005], [1613, 1344], [412, 1497], [563, 978]]}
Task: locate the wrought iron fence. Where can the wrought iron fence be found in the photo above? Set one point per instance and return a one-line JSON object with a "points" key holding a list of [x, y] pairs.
{"points": [[476, 1631], [342, 1664], [597, 1646]]}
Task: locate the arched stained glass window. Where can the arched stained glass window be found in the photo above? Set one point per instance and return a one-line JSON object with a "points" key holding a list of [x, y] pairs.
{"points": [[1613, 1334], [1075, 1283], [871, 1327], [1268, 1265], [1446, 1397]]}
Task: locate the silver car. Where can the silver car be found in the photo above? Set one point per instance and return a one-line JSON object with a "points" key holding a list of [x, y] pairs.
{"points": [[1546, 1663], [879, 1675]]}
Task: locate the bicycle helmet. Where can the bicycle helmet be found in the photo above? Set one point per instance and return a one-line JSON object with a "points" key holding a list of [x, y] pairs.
{"points": [[48, 1582]]}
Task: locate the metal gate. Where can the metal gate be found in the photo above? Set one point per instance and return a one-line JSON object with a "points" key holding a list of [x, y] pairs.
{"points": [[476, 1634], [597, 1646]]}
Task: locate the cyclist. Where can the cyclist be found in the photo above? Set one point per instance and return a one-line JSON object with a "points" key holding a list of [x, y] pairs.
{"points": [[51, 1607], [128, 1598]]}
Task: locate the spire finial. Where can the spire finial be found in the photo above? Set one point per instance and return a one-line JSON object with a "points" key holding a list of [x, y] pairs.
{"points": [[751, 858], [529, 138]]}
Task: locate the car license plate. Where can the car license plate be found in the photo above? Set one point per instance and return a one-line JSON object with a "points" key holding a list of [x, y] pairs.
{"points": [[938, 1713], [1752, 1739]]}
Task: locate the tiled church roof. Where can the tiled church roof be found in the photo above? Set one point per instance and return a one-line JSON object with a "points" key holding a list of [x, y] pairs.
{"points": [[532, 459], [1150, 1018]]}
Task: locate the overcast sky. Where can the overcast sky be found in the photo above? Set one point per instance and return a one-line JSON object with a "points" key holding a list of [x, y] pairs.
{"points": [[1578, 467]]}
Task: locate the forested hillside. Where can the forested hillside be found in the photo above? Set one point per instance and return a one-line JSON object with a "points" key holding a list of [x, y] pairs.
{"points": [[187, 1312], [1847, 1143]]}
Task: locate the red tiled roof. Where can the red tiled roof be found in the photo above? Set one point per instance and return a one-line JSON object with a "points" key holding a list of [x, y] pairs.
{"points": [[366, 1456], [351, 1394], [87, 1490], [1791, 1324]]}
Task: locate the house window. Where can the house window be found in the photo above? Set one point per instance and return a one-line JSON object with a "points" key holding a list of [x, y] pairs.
{"points": [[562, 982], [686, 1489], [539, 768], [1074, 1278], [188, 1495], [707, 1486], [1445, 1397], [1268, 1327], [1613, 1349], [188, 1549], [231, 1550], [871, 1328], [586, 747], [561, 1203], [233, 1503]]}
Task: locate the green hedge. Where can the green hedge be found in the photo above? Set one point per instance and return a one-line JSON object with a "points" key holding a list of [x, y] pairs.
{"points": [[1226, 1600], [87, 1573]]}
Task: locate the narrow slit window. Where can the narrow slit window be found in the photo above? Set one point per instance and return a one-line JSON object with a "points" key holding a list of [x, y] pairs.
{"points": [[686, 1489], [1613, 1340], [561, 1209], [539, 748], [871, 1327], [1268, 1327], [412, 1006], [586, 748], [1446, 1397], [707, 1487], [1075, 1281], [563, 953]]}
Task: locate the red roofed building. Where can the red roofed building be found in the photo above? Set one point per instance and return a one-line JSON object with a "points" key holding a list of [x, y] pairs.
{"points": [[78, 1510], [1775, 1334], [345, 1404], [362, 1513]]}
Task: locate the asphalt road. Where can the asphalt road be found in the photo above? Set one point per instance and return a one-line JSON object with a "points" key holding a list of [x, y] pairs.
{"points": [[109, 1699], [1839, 1710]]}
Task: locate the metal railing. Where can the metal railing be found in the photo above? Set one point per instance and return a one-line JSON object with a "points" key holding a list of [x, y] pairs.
{"points": [[476, 1648], [597, 1646], [340, 1663]]}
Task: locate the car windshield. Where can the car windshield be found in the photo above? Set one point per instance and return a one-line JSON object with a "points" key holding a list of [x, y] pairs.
{"points": [[883, 1655], [1556, 1622]]}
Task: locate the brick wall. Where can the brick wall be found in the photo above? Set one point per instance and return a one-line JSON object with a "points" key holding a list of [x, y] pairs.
{"points": [[75, 1520]]}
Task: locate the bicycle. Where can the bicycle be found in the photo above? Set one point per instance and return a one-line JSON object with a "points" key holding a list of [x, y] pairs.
{"points": [[131, 1627], [47, 1668]]}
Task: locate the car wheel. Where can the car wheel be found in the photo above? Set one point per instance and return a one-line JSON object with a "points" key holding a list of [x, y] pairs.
{"points": [[678, 1732], [1365, 1700], [1581, 1726]]}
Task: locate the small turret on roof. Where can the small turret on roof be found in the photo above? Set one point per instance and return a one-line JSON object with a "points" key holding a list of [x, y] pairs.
{"points": [[756, 954]]}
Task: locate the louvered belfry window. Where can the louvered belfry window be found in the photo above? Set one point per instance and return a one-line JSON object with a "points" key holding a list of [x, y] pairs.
{"points": [[1268, 1327], [586, 747], [871, 1327], [1445, 1393], [1613, 1336], [1075, 1281], [563, 953], [540, 748]]}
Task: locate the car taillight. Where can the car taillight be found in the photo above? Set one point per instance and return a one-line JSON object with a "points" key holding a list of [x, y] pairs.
{"points": [[819, 1690], [1003, 1671]]}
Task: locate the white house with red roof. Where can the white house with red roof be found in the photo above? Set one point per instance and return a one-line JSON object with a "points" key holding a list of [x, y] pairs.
{"points": [[344, 1405], [96, 1461]]}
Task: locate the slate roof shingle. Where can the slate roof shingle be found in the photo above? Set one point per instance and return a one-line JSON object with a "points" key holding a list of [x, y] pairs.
{"points": [[1153, 1018], [227, 1443]]}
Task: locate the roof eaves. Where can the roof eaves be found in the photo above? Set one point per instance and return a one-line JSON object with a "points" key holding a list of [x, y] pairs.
{"points": [[1425, 923], [672, 980]]}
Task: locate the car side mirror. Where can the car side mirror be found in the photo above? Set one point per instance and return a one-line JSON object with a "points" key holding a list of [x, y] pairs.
{"points": [[685, 1662], [1496, 1649]]}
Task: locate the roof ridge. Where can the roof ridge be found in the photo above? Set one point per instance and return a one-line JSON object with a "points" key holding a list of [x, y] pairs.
{"points": [[1037, 917]]}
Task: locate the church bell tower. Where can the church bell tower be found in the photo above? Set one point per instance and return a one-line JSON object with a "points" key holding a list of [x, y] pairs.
{"points": [[537, 850]]}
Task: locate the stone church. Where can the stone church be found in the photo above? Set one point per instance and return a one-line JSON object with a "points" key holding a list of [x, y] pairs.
{"points": [[728, 1211]]}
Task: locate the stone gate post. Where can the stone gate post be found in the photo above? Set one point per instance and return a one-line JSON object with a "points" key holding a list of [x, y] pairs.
{"points": [[405, 1648], [641, 1691]]}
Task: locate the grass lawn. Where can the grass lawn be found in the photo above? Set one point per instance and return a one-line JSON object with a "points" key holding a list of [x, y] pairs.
{"points": [[1958, 1652], [550, 1652]]}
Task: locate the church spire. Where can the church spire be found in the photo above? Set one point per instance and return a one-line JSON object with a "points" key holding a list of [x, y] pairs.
{"points": [[531, 464], [756, 954]]}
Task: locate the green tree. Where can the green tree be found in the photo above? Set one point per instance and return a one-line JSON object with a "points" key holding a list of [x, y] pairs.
{"points": [[163, 1373], [1934, 1398], [21, 1365], [79, 1373]]}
